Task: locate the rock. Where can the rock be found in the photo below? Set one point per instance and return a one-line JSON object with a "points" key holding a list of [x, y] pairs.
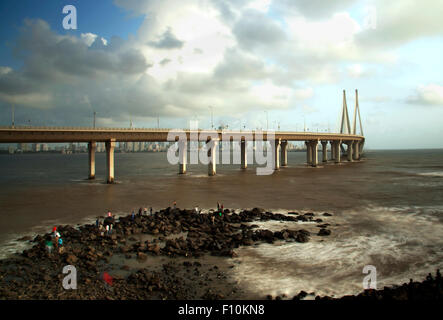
{"points": [[258, 211], [27, 238], [327, 214], [71, 259], [265, 235], [302, 237], [141, 256], [302, 294], [324, 232]]}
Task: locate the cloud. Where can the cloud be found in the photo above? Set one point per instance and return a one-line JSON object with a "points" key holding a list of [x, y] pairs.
{"points": [[238, 56], [165, 61], [59, 71], [313, 8], [431, 94], [304, 93], [167, 41], [402, 22], [255, 28]]}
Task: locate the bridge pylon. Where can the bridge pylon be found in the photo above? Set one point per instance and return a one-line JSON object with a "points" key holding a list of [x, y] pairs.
{"points": [[354, 130], [345, 127], [345, 123], [357, 111]]}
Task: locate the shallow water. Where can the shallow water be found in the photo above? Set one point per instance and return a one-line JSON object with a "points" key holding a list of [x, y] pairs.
{"points": [[388, 209]]}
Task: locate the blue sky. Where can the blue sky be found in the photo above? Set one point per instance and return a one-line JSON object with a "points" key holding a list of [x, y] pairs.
{"points": [[174, 59], [99, 17]]}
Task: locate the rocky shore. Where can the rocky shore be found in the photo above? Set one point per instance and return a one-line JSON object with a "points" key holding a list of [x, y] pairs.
{"points": [[172, 254]]}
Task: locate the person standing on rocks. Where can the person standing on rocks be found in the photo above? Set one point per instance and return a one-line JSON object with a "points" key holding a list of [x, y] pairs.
{"points": [[133, 215], [56, 236], [174, 204], [49, 245], [145, 211], [60, 245], [150, 210]]}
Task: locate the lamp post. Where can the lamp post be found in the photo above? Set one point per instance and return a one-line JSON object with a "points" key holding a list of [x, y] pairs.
{"points": [[212, 117], [13, 116]]}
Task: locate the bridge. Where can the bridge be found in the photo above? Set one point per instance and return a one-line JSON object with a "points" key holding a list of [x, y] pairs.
{"points": [[279, 141]]}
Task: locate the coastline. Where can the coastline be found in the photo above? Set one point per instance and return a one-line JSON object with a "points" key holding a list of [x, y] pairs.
{"points": [[173, 254]]}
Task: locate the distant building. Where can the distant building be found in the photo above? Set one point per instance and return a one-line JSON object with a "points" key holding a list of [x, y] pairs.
{"points": [[36, 147]]}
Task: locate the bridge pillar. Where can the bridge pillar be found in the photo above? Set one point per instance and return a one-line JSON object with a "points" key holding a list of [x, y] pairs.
{"points": [[356, 149], [276, 149], [349, 152], [308, 153], [314, 152], [183, 154], [212, 154], [91, 150], [337, 151], [110, 146], [284, 153], [332, 150], [324, 145], [244, 154]]}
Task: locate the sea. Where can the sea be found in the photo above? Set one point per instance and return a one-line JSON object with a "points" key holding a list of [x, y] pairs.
{"points": [[387, 211]]}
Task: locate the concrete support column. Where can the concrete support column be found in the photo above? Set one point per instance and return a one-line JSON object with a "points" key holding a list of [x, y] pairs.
{"points": [[92, 146], [314, 152], [337, 151], [350, 150], [212, 154], [110, 146], [332, 150], [244, 154], [324, 145], [284, 153], [308, 153], [183, 155], [276, 149], [356, 150]]}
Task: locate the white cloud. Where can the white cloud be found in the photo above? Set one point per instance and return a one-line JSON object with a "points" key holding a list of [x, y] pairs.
{"points": [[236, 55], [5, 70], [88, 38], [259, 5], [399, 22], [304, 93], [430, 94]]}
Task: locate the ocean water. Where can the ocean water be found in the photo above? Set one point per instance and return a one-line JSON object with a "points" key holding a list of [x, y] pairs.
{"points": [[387, 211]]}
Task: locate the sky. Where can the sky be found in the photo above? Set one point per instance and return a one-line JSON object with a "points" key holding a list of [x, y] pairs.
{"points": [[251, 63]]}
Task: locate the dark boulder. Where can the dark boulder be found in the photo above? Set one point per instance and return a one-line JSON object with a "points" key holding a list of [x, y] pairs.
{"points": [[324, 232]]}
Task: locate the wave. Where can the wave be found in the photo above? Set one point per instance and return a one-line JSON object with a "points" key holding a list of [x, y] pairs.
{"points": [[431, 174]]}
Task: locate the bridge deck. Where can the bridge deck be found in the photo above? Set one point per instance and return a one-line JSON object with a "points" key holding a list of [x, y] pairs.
{"points": [[75, 134]]}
